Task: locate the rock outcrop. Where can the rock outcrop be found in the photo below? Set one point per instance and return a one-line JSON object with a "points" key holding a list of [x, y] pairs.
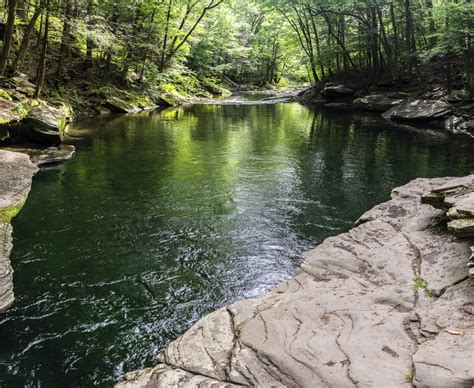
{"points": [[337, 91], [33, 121], [420, 111], [44, 124], [387, 304], [457, 200], [117, 105], [377, 102], [16, 172], [46, 156]]}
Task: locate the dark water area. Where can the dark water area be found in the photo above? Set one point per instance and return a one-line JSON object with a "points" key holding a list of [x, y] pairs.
{"points": [[163, 217]]}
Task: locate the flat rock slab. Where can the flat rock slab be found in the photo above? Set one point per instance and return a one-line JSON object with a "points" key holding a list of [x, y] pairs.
{"points": [[16, 173], [377, 102], [46, 156], [419, 110], [352, 316]]}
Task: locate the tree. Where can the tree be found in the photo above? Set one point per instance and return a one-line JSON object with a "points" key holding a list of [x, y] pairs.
{"points": [[8, 36]]}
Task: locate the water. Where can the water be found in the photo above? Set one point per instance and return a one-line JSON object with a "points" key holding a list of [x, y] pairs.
{"points": [[163, 217]]}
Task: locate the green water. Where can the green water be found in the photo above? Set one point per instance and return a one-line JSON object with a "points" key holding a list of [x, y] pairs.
{"points": [[163, 217]]}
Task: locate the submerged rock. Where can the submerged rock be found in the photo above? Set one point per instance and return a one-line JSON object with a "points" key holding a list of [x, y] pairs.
{"points": [[377, 102], [357, 313], [15, 183], [419, 110]]}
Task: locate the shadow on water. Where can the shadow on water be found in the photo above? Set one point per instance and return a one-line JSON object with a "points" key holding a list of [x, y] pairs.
{"points": [[165, 216]]}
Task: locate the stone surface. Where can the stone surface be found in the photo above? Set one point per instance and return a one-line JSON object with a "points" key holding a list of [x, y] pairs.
{"points": [[8, 112], [337, 91], [419, 110], [377, 102], [352, 316], [462, 206], [462, 228], [170, 99], [43, 124], [50, 155], [117, 105], [16, 172]]}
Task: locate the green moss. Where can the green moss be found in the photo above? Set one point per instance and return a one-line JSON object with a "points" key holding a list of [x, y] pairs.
{"points": [[5, 95], [419, 284], [6, 214], [24, 107], [409, 376]]}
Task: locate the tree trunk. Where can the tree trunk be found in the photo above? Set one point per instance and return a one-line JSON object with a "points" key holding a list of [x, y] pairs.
{"points": [[65, 39], [26, 37], [21, 9], [42, 61], [8, 37], [409, 35], [89, 44], [165, 38]]}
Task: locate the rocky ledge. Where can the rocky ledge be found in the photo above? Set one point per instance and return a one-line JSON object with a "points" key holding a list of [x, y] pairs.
{"points": [[15, 183], [389, 303]]}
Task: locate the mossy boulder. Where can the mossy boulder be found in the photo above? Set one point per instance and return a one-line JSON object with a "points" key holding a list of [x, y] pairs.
{"points": [[170, 99], [118, 105], [42, 123]]}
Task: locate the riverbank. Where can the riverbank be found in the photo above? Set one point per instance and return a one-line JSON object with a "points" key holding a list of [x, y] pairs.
{"points": [[390, 303], [15, 183], [428, 106]]}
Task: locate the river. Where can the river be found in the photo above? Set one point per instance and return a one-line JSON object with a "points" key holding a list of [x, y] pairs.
{"points": [[163, 217]]}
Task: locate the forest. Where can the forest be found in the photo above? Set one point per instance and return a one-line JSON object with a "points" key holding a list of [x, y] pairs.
{"points": [[191, 45]]}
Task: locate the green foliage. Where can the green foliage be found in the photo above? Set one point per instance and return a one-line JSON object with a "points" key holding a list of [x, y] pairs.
{"points": [[204, 44]]}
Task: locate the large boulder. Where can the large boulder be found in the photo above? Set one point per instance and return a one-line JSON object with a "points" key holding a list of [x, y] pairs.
{"points": [[170, 99], [337, 91], [419, 110], [377, 102], [118, 105], [44, 124]]}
